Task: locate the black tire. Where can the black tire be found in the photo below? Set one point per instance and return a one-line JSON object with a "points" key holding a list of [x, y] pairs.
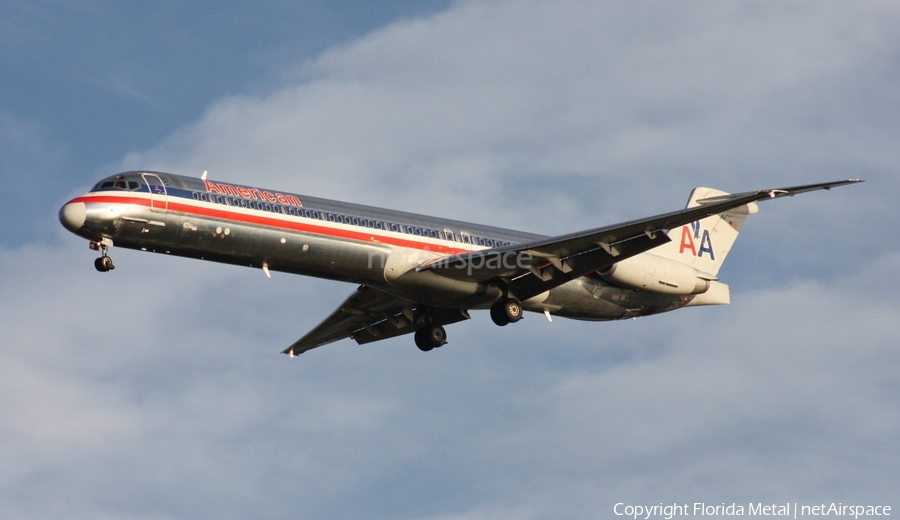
{"points": [[101, 265], [498, 314], [506, 312], [513, 310], [430, 337]]}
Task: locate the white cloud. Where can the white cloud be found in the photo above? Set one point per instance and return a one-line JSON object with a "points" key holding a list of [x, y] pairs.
{"points": [[452, 113]]}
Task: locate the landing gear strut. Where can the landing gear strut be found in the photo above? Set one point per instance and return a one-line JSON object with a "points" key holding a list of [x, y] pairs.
{"points": [[505, 312], [430, 336], [104, 263]]}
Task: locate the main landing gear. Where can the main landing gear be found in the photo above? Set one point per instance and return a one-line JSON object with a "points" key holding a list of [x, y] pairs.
{"points": [[433, 336], [430, 337], [505, 312], [104, 263]]}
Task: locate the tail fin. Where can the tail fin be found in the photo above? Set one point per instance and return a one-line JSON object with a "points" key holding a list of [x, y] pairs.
{"points": [[704, 244]]}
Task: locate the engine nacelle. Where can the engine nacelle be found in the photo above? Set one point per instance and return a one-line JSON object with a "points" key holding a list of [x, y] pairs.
{"points": [[649, 272]]}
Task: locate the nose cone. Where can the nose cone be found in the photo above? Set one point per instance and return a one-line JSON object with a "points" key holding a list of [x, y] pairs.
{"points": [[72, 216]]}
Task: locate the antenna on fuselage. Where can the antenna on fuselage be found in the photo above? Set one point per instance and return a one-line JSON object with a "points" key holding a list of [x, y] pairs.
{"points": [[203, 177]]}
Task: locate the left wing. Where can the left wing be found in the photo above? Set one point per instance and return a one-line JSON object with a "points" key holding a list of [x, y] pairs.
{"points": [[529, 269], [371, 315]]}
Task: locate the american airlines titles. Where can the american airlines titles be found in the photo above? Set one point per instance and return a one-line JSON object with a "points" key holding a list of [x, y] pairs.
{"points": [[252, 193]]}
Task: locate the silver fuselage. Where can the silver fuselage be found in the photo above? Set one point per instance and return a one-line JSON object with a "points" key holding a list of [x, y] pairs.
{"points": [[279, 231]]}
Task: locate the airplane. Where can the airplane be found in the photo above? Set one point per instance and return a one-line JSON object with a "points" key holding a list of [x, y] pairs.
{"points": [[418, 273]]}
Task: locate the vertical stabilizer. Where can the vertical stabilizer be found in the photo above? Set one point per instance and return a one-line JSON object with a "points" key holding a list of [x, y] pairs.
{"points": [[704, 244]]}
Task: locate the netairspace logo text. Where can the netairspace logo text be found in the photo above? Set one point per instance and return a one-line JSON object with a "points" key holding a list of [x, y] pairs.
{"points": [[786, 510]]}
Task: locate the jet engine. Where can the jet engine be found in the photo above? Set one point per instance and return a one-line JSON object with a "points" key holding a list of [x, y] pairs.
{"points": [[649, 272]]}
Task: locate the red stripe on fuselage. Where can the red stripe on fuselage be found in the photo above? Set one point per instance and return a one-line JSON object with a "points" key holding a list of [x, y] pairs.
{"points": [[291, 225]]}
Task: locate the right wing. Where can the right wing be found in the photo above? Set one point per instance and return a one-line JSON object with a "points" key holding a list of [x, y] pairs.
{"points": [[372, 315], [529, 269]]}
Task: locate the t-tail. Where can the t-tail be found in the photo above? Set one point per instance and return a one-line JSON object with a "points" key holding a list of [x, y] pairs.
{"points": [[705, 244], [688, 265]]}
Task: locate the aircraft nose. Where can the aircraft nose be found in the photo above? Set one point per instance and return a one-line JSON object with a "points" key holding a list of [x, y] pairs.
{"points": [[72, 216]]}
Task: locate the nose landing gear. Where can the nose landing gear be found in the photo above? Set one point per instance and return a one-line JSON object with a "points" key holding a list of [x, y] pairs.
{"points": [[104, 263]]}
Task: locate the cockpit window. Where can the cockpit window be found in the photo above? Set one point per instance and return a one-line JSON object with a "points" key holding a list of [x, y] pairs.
{"points": [[118, 182]]}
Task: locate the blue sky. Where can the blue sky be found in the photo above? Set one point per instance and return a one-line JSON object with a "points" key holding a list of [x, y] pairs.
{"points": [[79, 73], [158, 391]]}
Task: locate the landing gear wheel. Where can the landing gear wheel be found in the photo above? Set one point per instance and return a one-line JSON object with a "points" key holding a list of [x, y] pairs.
{"points": [[104, 264], [506, 312], [430, 336]]}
